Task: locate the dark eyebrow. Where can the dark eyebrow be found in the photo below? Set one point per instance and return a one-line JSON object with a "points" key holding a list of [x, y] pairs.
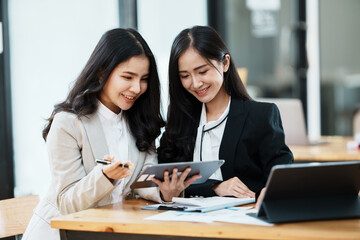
{"points": [[135, 74], [197, 68], [131, 73]]}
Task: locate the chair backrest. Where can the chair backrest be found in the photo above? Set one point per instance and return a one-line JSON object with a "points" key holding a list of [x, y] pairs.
{"points": [[356, 122], [243, 73], [293, 120], [15, 214]]}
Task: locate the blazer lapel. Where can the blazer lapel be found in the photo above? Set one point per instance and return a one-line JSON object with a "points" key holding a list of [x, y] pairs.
{"points": [[134, 157], [96, 138], [233, 129]]}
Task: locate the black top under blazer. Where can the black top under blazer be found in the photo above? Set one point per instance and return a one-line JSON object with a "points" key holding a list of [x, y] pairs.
{"points": [[253, 142]]}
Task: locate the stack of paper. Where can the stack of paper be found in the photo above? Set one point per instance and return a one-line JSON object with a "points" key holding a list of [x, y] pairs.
{"points": [[200, 204], [231, 215]]}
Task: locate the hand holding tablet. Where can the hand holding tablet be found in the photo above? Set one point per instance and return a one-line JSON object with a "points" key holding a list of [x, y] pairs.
{"points": [[205, 169]]}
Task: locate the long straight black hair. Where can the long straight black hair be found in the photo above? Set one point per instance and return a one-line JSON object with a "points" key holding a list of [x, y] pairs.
{"points": [[177, 143], [116, 46]]}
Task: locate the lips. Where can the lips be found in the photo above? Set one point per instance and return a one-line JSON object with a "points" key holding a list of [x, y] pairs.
{"points": [[128, 98], [202, 91]]}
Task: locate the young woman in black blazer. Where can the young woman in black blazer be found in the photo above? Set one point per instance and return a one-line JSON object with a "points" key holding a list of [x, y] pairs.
{"points": [[211, 115]]}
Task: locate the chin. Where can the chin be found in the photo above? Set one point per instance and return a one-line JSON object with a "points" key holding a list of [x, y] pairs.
{"points": [[205, 99], [126, 106]]}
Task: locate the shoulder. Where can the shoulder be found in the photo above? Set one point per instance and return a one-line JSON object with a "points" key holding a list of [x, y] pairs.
{"points": [[64, 118], [65, 125], [68, 122], [259, 105], [255, 107]]}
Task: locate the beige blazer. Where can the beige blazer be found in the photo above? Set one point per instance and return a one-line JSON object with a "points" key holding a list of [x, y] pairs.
{"points": [[77, 182]]}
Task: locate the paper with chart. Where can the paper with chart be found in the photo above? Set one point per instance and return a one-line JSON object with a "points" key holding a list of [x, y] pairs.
{"points": [[200, 204], [231, 215]]}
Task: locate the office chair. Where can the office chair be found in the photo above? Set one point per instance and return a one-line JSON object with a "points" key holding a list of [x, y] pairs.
{"points": [[243, 73], [356, 122]]}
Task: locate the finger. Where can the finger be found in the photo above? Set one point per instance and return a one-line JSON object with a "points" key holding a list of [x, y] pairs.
{"points": [[240, 194], [128, 174], [122, 174], [184, 174], [157, 181], [241, 185], [129, 163], [191, 180], [243, 192], [166, 177], [109, 157], [261, 196], [118, 164], [174, 177]]}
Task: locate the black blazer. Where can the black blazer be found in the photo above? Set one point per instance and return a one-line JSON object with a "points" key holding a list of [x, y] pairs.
{"points": [[253, 142]]}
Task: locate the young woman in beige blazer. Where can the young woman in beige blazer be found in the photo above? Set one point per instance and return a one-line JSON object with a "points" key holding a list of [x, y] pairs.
{"points": [[113, 108]]}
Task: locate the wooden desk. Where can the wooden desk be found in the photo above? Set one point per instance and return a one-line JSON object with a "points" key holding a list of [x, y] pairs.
{"points": [[334, 150], [15, 214], [126, 221]]}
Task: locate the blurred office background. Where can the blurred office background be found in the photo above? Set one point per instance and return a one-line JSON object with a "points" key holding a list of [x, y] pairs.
{"points": [[291, 48]]}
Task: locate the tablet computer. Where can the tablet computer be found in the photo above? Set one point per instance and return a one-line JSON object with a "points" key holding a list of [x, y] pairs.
{"points": [[312, 191], [205, 169]]}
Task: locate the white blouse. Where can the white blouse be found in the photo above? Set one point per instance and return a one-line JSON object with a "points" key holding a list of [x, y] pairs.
{"points": [[208, 139], [117, 137]]}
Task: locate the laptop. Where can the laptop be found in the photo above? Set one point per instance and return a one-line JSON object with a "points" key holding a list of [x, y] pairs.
{"points": [[312, 191], [293, 120]]}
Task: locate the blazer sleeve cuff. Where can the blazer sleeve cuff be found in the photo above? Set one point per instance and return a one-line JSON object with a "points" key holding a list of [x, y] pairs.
{"points": [[204, 189], [151, 193]]}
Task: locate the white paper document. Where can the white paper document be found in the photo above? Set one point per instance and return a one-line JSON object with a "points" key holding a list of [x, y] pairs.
{"points": [[231, 215], [200, 204]]}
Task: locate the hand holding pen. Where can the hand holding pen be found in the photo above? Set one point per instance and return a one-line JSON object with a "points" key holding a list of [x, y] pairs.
{"points": [[107, 162], [115, 169]]}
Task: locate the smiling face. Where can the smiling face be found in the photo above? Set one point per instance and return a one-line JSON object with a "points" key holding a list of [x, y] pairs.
{"points": [[126, 83], [201, 78]]}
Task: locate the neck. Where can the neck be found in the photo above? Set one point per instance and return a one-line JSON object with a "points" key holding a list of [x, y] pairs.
{"points": [[216, 107]]}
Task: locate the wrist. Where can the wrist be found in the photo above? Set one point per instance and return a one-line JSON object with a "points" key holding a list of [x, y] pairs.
{"points": [[165, 198], [110, 179]]}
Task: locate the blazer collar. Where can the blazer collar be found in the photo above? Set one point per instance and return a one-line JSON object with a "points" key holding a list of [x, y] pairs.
{"points": [[233, 129]]}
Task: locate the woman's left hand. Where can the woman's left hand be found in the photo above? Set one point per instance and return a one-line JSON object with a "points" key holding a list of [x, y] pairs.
{"points": [[172, 187]]}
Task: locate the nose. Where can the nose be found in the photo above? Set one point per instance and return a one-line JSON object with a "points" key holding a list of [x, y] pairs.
{"points": [[135, 87], [197, 83]]}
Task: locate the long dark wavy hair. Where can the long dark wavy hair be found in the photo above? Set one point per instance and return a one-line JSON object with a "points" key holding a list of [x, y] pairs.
{"points": [[177, 143], [116, 46]]}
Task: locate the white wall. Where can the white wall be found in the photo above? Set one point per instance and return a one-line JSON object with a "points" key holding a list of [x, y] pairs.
{"points": [[50, 42], [159, 21]]}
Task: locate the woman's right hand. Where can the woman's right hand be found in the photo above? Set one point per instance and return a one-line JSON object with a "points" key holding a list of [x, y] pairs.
{"points": [[172, 187], [260, 198], [113, 171], [233, 187]]}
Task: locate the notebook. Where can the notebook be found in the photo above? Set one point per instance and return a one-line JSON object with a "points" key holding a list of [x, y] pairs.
{"points": [[293, 120], [312, 191]]}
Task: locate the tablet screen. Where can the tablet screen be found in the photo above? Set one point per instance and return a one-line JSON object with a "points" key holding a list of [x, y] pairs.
{"points": [[205, 169]]}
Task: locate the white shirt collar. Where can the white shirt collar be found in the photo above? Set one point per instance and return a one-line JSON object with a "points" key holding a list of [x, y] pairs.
{"points": [[107, 113], [203, 120]]}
